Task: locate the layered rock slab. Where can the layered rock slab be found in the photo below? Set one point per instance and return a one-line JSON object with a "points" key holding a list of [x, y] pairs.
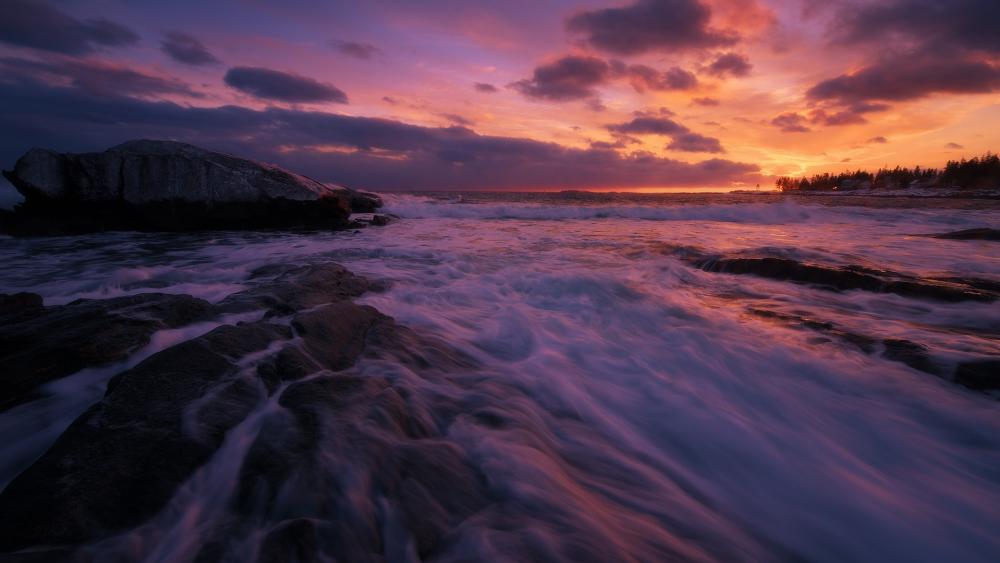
{"points": [[151, 185]]}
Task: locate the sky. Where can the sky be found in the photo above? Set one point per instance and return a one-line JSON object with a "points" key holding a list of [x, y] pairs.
{"points": [[516, 95]]}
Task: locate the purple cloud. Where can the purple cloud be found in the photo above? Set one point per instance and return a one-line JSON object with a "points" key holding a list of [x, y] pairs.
{"points": [[187, 49], [644, 78], [356, 49], [790, 123], [484, 87], [650, 25], [35, 24], [270, 84], [693, 142], [909, 77], [572, 77], [729, 64], [96, 77]]}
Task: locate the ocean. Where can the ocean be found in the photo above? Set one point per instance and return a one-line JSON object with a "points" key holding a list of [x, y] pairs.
{"points": [[642, 407]]}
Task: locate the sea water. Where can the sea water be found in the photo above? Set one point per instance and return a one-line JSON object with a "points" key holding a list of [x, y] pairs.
{"points": [[675, 419]]}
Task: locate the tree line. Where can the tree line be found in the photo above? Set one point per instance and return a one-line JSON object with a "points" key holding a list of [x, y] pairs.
{"points": [[977, 172]]}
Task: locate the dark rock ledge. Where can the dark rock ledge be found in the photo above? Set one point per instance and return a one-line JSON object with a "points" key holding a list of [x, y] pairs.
{"points": [[980, 374], [149, 185], [120, 463], [838, 278], [970, 234]]}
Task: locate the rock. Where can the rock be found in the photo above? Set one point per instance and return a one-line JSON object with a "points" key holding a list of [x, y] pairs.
{"points": [[20, 305], [364, 202], [284, 289], [368, 439], [980, 375], [971, 234], [166, 185], [119, 463], [840, 278], [917, 356], [40, 344]]}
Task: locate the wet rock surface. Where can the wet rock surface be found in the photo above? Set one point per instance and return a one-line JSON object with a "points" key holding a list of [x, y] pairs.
{"points": [[169, 186], [40, 344], [840, 278], [971, 234], [280, 396]]}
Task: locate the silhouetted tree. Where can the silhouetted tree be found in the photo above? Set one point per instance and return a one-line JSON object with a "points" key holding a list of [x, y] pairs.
{"points": [[978, 172]]}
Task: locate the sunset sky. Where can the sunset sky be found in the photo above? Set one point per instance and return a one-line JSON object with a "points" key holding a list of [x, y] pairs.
{"points": [[520, 94]]}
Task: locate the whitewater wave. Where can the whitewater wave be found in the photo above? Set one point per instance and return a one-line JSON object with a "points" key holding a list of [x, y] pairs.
{"points": [[418, 207]]}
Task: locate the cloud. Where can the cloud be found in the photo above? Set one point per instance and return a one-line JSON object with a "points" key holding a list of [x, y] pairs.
{"points": [[379, 154], [909, 77], [644, 78], [731, 64], [576, 77], [358, 50], [96, 77], [880, 140], [790, 123], [693, 142], [648, 126], [35, 24], [708, 102], [650, 25], [187, 49], [484, 87], [572, 77], [953, 146], [270, 84], [955, 24], [682, 138], [457, 119]]}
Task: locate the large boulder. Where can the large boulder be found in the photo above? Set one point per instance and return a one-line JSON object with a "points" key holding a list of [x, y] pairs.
{"points": [[166, 185]]}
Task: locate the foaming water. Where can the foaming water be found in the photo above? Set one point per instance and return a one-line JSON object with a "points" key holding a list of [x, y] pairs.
{"points": [[639, 408]]}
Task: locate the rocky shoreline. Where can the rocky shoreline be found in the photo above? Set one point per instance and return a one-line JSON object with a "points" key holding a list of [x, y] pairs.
{"points": [[123, 459]]}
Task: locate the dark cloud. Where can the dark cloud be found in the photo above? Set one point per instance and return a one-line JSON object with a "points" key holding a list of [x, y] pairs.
{"points": [[484, 87], [880, 140], [390, 100], [729, 64], [187, 49], [909, 77], [649, 25], [790, 123], [457, 119], [705, 101], [682, 138], [572, 77], [358, 50], [649, 126], [371, 153], [95, 77], [645, 78], [953, 146], [954, 24], [270, 84], [693, 142], [844, 117], [35, 24], [850, 114]]}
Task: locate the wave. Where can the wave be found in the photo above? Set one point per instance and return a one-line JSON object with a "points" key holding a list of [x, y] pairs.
{"points": [[419, 207]]}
